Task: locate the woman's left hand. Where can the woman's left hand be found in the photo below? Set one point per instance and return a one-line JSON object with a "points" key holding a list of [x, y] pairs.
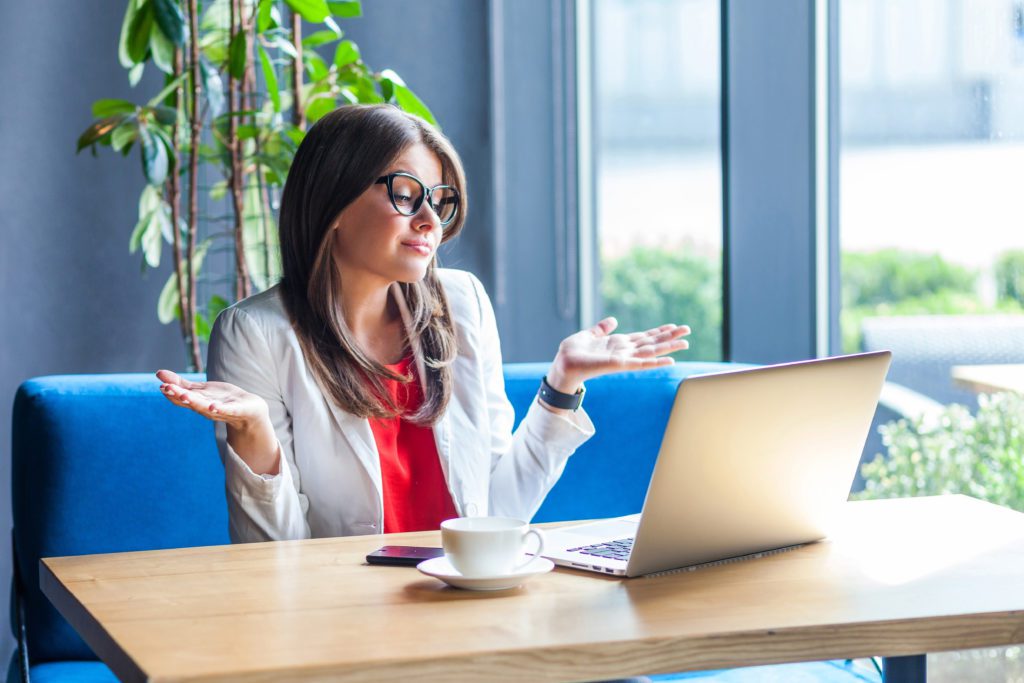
{"points": [[596, 351]]}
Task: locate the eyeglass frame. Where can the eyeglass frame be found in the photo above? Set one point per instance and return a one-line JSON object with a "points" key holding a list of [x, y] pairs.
{"points": [[427, 195]]}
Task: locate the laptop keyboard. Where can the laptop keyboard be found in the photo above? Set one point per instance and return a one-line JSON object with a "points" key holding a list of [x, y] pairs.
{"points": [[615, 550]]}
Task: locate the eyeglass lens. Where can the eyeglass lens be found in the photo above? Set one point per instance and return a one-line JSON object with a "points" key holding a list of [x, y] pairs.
{"points": [[407, 194]]}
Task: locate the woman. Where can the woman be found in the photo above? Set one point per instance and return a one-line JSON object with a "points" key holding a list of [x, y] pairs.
{"points": [[364, 393]]}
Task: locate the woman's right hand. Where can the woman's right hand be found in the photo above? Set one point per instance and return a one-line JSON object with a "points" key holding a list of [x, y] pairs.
{"points": [[250, 432], [218, 401]]}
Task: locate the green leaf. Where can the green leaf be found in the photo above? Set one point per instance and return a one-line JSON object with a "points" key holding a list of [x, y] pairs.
{"points": [[262, 252], [154, 157], [270, 77], [162, 50], [99, 130], [247, 130], [316, 67], [167, 306], [318, 38], [111, 107], [366, 90], [170, 20], [346, 9], [406, 98], [165, 115], [214, 46], [131, 9], [219, 190], [149, 200], [213, 87], [123, 135], [168, 89], [217, 17], [332, 25], [346, 53], [202, 327], [152, 240], [295, 134], [135, 74], [263, 17], [138, 32], [153, 215], [216, 306], [311, 10], [236, 54], [285, 46], [408, 101], [317, 106]]}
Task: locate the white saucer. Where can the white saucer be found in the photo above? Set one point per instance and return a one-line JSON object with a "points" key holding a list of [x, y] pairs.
{"points": [[441, 568]]}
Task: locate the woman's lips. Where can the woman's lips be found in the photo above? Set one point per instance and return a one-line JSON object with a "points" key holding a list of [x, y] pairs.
{"points": [[422, 248]]}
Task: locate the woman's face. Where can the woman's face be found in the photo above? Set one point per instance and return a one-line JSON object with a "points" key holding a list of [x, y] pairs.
{"points": [[371, 239]]}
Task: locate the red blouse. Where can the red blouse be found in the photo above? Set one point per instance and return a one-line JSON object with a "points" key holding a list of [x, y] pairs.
{"points": [[416, 496]]}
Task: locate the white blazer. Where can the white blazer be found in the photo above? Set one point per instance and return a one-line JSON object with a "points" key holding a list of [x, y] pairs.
{"points": [[330, 479]]}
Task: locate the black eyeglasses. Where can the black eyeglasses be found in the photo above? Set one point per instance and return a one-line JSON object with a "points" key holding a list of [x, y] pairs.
{"points": [[406, 192]]}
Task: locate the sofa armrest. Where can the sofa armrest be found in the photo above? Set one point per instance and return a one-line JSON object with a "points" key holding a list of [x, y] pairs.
{"points": [[907, 403]]}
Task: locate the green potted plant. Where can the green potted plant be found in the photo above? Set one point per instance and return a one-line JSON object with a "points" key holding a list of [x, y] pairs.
{"points": [[240, 87]]}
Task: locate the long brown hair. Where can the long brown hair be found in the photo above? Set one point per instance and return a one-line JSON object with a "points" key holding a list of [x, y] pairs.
{"points": [[341, 156]]}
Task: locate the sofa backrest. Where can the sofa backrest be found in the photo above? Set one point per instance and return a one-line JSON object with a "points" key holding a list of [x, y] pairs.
{"points": [[104, 463]]}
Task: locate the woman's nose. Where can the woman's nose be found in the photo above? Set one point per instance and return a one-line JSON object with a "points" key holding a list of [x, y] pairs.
{"points": [[426, 219]]}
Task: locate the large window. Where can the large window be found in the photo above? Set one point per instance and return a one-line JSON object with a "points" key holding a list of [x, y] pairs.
{"points": [[932, 124], [932, 241], [658, 200]]}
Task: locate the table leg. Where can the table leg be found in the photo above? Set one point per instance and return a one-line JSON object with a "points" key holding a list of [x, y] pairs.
{"points": [[910, 669]]}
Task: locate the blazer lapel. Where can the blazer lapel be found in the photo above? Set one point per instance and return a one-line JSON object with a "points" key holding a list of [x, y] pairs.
{"points": [[357, 433]]}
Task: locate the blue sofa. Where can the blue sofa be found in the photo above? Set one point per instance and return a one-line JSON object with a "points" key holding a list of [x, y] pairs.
{"points": [[92, 456]]}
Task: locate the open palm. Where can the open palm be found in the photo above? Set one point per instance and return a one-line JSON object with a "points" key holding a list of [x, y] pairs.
{"points": [[219, 401], [596, 351]]}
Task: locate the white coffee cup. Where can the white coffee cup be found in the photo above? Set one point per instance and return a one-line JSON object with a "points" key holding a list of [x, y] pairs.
{"points": [[488, 546]]}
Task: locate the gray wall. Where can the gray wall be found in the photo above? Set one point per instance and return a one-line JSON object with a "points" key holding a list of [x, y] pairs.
{"points": [[72, 297]]}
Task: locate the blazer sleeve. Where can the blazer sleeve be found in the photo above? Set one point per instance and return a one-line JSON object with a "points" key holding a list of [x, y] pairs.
{"points": [[527, 463], [260, 507]]}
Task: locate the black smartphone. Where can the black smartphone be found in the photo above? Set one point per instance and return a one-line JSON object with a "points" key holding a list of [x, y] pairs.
{"points": [[402, 555]]}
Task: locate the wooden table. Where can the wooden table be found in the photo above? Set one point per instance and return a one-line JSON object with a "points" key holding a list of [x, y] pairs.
{"points": [[990, 379], [899, 577]]}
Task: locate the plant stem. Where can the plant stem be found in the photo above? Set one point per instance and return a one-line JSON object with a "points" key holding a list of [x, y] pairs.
{"points": [[174, 189], [298, 108], [193, 190], [237, 176]]}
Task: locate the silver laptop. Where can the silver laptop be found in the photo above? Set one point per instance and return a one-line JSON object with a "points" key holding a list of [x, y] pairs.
{"points": [[752, 461]]}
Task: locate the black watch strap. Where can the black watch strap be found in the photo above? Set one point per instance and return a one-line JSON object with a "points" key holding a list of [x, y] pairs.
{"points": [[558, 399]]}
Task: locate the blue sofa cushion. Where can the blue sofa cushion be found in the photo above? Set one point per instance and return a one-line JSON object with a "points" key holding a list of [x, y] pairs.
{"points": [[66, 672], [104, 463]]}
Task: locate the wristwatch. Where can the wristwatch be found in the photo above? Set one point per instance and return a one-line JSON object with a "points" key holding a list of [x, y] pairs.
{"points": [[559, 399]]}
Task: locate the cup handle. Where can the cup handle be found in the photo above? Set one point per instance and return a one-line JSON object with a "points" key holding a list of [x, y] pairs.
{"points": [[540, 547]]}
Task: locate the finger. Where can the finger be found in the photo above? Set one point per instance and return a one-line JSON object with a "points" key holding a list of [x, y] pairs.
{"points": [[604, 327], [648, 363], [172, 377], [654, 330], [659, 337], [662, 348]]}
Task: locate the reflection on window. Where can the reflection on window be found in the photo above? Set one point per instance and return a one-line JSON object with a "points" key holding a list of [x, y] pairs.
{"points": [[658, 167]]}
